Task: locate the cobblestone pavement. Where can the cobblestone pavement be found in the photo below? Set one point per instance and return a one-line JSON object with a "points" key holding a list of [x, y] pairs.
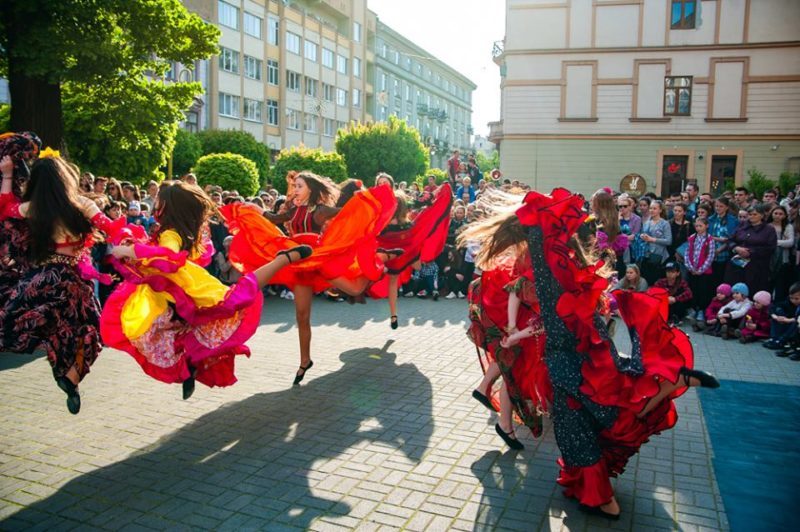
{"points": [[383, 434]]}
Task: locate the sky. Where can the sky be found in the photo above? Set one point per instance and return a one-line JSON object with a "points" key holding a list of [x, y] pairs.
{"points": [[460, 33]]}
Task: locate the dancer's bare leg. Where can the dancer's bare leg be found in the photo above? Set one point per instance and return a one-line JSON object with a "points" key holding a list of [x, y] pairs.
{"points": [[665, 388], [393, 295], [611, 507], [73, 375], [265, 272], [351, 287], [491, 375], [505, 411], [303, 296]]}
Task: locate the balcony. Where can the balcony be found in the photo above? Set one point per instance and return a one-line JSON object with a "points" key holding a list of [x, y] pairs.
{"points": [[422, 109], [496, 131]]}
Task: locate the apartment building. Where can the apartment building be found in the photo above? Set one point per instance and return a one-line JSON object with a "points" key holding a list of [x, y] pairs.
{"points": [[672, 90], [414, 85], [288, 72]]}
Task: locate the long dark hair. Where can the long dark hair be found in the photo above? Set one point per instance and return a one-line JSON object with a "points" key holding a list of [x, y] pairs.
{"points": [[185, 209], [347, 190], [322, 191], [53, 196]]}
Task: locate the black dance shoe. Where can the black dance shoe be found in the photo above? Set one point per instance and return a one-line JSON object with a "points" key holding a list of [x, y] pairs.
{"points": [[391, 253], [707, 380], [509, 438], [299, 377], [482, 399], [188, 387], [596, 510], [73, 396], [393, 322], [304, 252]]}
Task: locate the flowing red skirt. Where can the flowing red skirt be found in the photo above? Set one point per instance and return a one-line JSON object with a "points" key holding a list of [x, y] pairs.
{"points": [[664, 349], [423, 241], [346, 249]]}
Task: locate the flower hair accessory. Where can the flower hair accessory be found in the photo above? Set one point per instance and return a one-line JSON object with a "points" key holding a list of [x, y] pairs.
{"points": [[49, 152]]}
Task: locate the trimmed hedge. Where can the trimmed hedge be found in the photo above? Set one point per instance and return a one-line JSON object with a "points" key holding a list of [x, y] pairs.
{"points": [[230, 171], [241, 142]]}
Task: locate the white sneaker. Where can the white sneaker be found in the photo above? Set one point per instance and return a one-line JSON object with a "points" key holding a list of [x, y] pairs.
{"points": [[461, 295], [451, 295], [422, 293], [289, 295], [409, 294], [283, 293]]}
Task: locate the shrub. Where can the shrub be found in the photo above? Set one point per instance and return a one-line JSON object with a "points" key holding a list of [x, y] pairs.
{"points": [[299, 158], [392, 147], [230, 171], [787, 182], [187, 151], [241, 142], [757, 183]]}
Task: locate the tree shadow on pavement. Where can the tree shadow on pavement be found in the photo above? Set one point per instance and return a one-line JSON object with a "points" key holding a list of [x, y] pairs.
{"points": [[253, 463], [15, 360]]}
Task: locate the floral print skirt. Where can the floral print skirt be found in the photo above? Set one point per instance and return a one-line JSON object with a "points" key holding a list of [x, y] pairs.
{"points": [[52, 308]]}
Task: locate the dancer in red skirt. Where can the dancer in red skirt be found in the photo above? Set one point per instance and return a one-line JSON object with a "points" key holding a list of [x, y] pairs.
{"points": [[346, 255], [421, 239], [179, 322], [604, 406]]}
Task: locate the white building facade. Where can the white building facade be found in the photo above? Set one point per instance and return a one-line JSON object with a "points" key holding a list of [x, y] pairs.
{"points": [[673, 90]]}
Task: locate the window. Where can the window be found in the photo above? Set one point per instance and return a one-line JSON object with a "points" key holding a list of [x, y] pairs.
{"points": [[327, 92], [408, 63], [397, 58], [252, 25], [677, 96], [311, 51], [228, 105], [683, 14], [382, 113], [229, 60], [328, 127], [357, 67], [383, 82], [311, 87], [341, 97], [272, 112], [327, 58], [408, 92], [252, 110], [293, 42], [341, 125], [292, 81], [292, 119], [356, 32], [356, 97], [310, 123], [252, 67], [273, 25], [396, 86], [228, 15], [273, 78], [384, 50], [341, 64]]}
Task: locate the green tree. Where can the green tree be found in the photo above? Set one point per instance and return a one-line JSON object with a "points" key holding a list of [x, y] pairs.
{"points": [[46, 43], [241, 142], [438, 173], [758, 183], [487, 164], [299, 158], [186, 152], [392, 147], [230, 171], [125, 129]]}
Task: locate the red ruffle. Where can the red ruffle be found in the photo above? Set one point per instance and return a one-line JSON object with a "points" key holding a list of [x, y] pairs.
{"points": [[423, 241], [346, 249], [589, 485]]}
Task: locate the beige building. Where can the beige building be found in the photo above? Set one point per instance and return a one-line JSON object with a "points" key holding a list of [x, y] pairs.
{"points": [[288, 72], [673, 90]]}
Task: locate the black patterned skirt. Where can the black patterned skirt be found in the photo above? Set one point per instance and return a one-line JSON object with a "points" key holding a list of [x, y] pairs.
{"points": [[52, 308], [14, 245]]}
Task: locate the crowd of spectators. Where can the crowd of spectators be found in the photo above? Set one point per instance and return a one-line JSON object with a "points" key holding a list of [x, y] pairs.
{"points": [[729, 263]]}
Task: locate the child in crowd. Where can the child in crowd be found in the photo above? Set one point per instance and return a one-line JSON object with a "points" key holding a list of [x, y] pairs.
{"points": [[755, 324], [699, 257], [680, 295], [135, 216], [730, 315], [784, 327], [722, 298], [429, 279]]}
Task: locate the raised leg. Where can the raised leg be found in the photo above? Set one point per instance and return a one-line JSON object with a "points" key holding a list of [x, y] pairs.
{"points": [[303, 296]]}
